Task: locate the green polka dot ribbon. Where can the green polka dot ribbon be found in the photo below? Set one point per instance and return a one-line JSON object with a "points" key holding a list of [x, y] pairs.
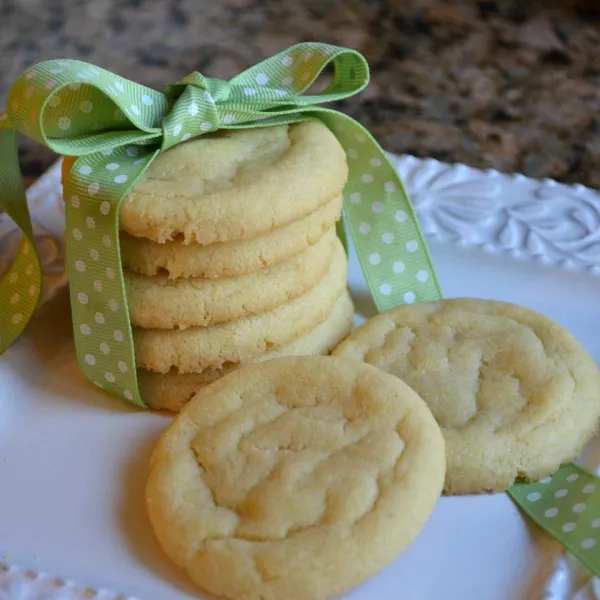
{"points": [[567, 506], [116, 128]]}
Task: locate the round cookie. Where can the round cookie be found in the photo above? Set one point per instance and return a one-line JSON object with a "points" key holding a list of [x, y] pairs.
{"points": [[198, 348], [296, 478], [162, 303], [515, 394], [229, 259], [235, 184], [171, 391]]}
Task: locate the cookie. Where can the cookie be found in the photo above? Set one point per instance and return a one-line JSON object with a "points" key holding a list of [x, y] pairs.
{"points": [[235, 184], [162, 303], [229, 259], [297, 479], [515, 394], [198, 348], [172, 390]]}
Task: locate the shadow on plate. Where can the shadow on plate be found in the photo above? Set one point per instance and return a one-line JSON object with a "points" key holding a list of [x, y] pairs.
{"points": [[136, 526], [363, 303], [536, 585]]}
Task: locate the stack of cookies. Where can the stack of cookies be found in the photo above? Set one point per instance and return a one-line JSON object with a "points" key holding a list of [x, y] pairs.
{"points": [[230, 256]]}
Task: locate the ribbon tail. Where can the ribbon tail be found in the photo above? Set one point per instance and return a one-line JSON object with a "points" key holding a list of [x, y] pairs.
{"points": [[389, 243], [565, 505], [102, 329], [21, 285]]}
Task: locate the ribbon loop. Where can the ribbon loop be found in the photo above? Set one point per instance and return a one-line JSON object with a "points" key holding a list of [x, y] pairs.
{"points": [[21, 286], [292, 72], [75, 108]]}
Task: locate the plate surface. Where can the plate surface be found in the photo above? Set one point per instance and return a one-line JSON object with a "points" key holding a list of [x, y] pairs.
{"points": [[73, 461]]}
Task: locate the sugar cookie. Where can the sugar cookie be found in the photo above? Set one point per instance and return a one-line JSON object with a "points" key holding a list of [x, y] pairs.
{"points": [[229, 259], [297, 479], [514, 393], [236, 184]]}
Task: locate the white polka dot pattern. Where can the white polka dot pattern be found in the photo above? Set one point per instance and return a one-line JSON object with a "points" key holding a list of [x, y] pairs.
{"points": [[95, 271], [381, 219], [567, 505]]}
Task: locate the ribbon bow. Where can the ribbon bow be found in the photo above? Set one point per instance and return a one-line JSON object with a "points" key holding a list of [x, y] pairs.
{"points": [[117, 127]]}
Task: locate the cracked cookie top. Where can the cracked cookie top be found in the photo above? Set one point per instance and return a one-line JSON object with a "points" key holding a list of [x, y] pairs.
{"points": [[296, 478], [237, 184], [514, 393]]}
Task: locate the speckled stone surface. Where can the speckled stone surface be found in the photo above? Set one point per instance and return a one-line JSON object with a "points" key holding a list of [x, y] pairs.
{"points": [[508, 84]]}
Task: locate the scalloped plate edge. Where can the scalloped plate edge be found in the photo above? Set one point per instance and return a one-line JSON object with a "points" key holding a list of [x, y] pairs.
{"points": [[21, 584]]}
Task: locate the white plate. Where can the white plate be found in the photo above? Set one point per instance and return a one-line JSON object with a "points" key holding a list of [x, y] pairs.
{"points": [[73, 460]]}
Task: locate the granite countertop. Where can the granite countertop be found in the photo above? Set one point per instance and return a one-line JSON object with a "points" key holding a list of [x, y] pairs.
{"points": [[508, 84]]}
